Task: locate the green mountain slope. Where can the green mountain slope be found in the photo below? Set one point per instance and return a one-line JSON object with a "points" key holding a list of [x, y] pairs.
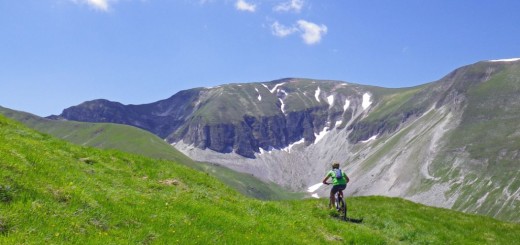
{"points": [[460, 153], [134, 140], [488, 140], [57, 193]]}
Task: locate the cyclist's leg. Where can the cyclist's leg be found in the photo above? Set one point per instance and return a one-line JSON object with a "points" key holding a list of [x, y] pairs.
{"points": [[340, 190], [332, 199], [333, 191]]}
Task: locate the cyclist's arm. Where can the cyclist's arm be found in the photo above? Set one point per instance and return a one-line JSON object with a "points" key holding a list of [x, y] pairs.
{"points": [[325, 180]]}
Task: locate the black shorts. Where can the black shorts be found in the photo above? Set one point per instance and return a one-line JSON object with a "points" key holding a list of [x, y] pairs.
{"points": [[337, 188]]}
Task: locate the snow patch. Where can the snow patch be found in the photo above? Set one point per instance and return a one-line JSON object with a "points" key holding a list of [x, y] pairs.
{"points": [[506, 60], [314, 187], [330, 99], [317, 94], [262, 151], [321, 135], [259, 96], [347, 104], [366, 101], [288, 148], [269, 150], [281, 100], [275, 87], [370, 139], [283, 106]]}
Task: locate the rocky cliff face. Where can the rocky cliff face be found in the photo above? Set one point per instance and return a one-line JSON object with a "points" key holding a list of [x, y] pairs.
{"points": [[248, 136]]}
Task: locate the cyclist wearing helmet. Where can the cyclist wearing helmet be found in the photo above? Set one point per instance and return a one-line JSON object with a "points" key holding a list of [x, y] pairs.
{"points": [[339, 182]]}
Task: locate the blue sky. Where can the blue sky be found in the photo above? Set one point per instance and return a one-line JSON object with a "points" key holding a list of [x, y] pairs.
{"points": [[59, 53]]}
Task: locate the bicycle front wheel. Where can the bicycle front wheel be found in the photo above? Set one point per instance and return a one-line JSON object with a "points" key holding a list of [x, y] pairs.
{"points": [[343, 209]]}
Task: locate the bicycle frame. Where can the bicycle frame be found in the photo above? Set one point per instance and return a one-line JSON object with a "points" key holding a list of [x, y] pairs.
{"points": [[338, 197], [341, 205], [339, 194]]}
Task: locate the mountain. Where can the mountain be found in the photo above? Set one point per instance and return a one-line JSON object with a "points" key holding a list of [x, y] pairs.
{"points": [[451, 143], [240, 118], [137, 141], [55, 192]]}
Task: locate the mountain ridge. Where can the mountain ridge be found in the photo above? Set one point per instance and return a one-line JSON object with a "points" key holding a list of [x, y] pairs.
{"points": [[426, 143], [248, 127]]}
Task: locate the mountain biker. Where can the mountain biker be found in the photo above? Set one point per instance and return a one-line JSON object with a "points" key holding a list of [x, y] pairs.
{"points": [[339, 182]]}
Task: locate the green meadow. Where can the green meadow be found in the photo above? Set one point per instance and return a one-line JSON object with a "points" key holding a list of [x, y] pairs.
{"points": [[134, 140], [55, 192]]}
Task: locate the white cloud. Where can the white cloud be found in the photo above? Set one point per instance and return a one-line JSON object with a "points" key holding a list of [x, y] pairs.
{"points": [[292, 5], [311, 32], [242, 5], [280, 30], [102, 5]]}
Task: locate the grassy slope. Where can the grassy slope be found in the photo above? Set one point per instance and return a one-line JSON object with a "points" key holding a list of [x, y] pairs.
{"points": [[489, 133], [134, 140], [391, 101], [392, 107], [492, 114], [49, 193]]}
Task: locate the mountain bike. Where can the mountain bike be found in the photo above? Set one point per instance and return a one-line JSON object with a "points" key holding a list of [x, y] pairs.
{"points": [[341, 207], [340, 204]]}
